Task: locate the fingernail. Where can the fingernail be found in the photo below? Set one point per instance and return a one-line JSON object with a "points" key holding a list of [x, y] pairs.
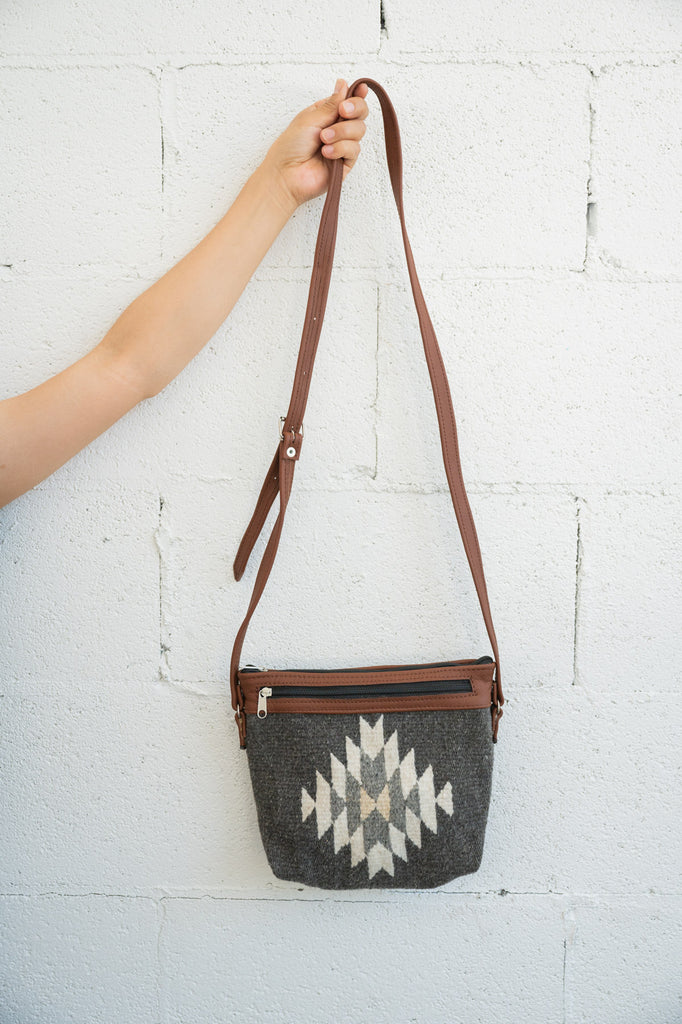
{"points": [[339, 83], [348, 108], [328, 134]]}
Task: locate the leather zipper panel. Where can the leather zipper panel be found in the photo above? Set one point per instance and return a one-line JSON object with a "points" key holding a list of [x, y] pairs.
{"points": [[345, 691]]}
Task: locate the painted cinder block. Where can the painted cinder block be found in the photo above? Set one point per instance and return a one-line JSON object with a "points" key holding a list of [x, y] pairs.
{"points": [[75, 959], [494, 170], [295, 959], [636, 170], [630, 594], [68, 28], [624, 960], [306, 30], [201, 28], [547, 380], [80, 589], [582, 801], [533, 27], [81, 163], [126, 791]]}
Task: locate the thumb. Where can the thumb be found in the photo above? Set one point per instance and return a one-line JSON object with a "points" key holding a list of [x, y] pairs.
{"points": [[326, 111]]}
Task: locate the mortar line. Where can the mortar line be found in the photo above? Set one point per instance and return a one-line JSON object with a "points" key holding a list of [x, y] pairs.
{"points": [[375, 403], [576, 602], [163, 646], [406, 58], [589, 202], [599, 896], [159, 968], [563, 984]]}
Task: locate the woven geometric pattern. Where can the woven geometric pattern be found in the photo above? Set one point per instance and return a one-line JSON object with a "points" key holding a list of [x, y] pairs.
{"points": [[375, 801]]}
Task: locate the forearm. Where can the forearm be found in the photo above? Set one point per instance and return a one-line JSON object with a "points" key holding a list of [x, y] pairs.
{"points": [[165, 326], [149, 344], [46, 426]]}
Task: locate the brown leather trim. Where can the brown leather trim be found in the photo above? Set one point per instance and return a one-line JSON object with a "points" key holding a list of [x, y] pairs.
{"points": [[480, 676]]}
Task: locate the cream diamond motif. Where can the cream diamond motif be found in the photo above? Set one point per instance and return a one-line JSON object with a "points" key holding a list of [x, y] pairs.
{"points": [[376, 800]]}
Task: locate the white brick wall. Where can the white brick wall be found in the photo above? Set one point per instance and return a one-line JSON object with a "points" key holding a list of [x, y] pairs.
{"points": [[542, 184]]}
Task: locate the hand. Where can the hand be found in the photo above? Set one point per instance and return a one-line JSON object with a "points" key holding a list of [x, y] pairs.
{"points": [[299, 157]]}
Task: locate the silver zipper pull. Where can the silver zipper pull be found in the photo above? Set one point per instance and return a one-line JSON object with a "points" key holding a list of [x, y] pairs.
{"points": [[263, 694]]}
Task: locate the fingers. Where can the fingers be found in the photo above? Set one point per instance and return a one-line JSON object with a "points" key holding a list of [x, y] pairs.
{"points": [[341, 139], [336, 105], [357, 105], [335, 137], [348, 150]]}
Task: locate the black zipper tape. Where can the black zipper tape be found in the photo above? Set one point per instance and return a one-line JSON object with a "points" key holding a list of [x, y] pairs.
{"points": [[376, 689]]}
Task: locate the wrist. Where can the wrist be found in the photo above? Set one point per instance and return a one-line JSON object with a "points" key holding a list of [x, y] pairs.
{"points": [[271, 181]]}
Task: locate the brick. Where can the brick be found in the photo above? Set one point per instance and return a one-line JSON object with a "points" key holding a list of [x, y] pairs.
{"points": [[582, 800], [547, 379], [636, 169], [398, 974], [80, 595], [204, 29], [150, 788], [533, 27], [624, 962], [68, 28], [306, 30], [89, 958], [630, 594], [494, 170], [82, 166]]}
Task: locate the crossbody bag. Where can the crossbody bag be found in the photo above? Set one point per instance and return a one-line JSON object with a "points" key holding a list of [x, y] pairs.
{"points": [[375, 776]]}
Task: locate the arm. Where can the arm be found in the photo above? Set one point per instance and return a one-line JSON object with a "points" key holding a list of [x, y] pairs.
{"points": [[164, 327]]}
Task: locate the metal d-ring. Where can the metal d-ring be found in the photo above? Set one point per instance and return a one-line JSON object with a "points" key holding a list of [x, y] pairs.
{"points": [[282, 421]]}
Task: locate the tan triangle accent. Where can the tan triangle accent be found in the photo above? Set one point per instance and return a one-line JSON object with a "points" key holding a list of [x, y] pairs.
{"points": [[444, 798], [307, 803], [367, 805], [384, 803]]}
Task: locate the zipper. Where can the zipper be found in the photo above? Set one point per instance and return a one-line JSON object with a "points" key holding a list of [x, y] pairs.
{"points": [[367, 690], [486, 659]]}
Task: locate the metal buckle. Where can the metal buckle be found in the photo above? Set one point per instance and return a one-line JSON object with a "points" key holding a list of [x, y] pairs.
{"points": [[282, 421]]}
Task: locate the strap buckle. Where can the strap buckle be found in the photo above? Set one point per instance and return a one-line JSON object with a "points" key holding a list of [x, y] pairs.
{"points": [[282, 421], [240, 719], [497, 713]]}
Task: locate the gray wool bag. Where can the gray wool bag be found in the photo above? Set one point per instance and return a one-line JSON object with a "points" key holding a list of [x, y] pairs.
{"points": [[375, 776]]}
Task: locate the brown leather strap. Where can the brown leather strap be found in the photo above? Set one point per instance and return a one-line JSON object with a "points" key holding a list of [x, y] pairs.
{"points": [[280, 474]]}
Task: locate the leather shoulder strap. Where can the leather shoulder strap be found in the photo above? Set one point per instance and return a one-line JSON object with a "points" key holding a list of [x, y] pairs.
{"points": [[279, 478]]}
